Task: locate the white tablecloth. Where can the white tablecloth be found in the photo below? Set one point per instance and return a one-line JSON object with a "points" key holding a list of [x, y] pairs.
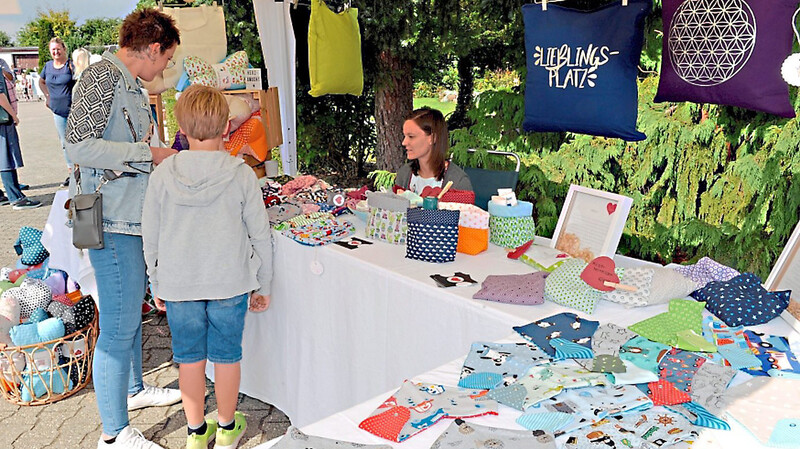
{"points": [[373, 319], [344, 425]]}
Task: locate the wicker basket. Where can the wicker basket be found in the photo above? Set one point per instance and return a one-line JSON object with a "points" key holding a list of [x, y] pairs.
{"points": [[64, 366]]}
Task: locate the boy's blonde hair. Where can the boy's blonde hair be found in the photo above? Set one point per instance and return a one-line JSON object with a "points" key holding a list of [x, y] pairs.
{"points": [[202, 112]]}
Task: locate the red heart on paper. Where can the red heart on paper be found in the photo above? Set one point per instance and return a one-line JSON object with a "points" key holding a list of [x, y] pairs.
{"points": [[611, 207], [599, 271]]}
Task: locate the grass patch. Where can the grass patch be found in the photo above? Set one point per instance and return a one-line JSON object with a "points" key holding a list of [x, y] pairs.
{"points": [[434, 103]]}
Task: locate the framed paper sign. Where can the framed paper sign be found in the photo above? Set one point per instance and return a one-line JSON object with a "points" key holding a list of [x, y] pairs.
{"points": [[785, 275], [591, 223]]}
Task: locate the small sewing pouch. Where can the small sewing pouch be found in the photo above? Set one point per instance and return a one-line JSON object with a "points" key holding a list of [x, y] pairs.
{"points": [[432, 235], [387, 219], [511, 232]]}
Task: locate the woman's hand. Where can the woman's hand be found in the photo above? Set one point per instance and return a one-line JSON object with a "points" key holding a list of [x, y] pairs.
{"points": [[159, 154], [259, 303], [16, 120]]}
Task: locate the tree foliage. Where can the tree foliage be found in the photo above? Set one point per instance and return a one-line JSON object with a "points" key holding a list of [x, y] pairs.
{"points": [[46, 25], [5, 39]]}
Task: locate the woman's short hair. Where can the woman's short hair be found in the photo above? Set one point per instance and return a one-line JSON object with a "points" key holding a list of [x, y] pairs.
{"points": [[57, 40], [148, 26], [432, 122]]}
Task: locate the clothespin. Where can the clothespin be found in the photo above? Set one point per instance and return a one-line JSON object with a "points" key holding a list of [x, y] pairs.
{"points": [[544, 5], [627, 288]]}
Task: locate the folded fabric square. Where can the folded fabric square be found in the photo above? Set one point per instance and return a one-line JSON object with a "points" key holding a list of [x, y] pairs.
{"points": [[416, 406], [463, 435], [587, 406], [563, 325], [543, 382], [489, 365], [644, 353], [633, 375], [663, 328], [773, 352], [665, 393], [609, 338], [566, 349], [742, 301], [769, 408], [547, 421], [564, 286], [655, 427], [526, 289], [699, 416], [605, 363], [296, 439], [679, 368], [544, 258], [706, 270], [709, 384]]}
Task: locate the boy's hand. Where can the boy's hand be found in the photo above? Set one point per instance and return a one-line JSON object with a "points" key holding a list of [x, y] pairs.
{"points": [[259, 303], [160, 304], [159, 154]]}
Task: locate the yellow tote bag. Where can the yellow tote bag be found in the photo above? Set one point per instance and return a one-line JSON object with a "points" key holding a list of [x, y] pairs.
{"points": [[334, 51]]}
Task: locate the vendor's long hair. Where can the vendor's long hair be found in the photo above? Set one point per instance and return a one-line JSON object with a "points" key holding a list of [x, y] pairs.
{"points": [[433, 124]]}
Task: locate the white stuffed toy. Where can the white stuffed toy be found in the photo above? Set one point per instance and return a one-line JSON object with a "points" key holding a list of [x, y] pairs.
{"points": [[9, 317]]}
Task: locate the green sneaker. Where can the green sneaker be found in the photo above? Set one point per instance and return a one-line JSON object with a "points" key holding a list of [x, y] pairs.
{"points": [[196, 441], [229, 439]]}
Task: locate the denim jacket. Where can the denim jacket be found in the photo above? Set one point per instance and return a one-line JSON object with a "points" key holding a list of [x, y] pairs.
{"points": [[109, 119]]}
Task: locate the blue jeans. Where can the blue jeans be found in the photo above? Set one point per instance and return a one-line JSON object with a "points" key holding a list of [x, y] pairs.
{"points": [[11, 184], [207, 329], [61, 128], [119, 269]]}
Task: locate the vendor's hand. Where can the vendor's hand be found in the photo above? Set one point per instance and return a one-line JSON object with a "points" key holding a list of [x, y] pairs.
{"points": [[259, 303], [159, 154], [160, 304]]}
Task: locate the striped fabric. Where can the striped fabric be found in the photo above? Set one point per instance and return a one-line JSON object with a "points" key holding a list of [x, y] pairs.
{"points": [[566, 349]]}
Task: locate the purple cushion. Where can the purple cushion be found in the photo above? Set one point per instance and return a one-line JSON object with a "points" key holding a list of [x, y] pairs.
{"points": [[727, 52], [525, 289]]}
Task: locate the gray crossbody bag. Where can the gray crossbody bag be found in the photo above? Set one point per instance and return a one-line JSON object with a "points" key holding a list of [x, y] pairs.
{"points": [[86, 211]]}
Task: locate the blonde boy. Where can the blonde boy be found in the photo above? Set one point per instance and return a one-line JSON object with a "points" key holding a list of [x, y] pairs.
{"points": [[208, 246]]}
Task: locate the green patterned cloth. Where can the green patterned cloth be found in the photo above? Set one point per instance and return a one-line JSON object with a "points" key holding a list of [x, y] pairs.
{"points": [[683, 315], [511, 232], [565, 286], [388, 226]]}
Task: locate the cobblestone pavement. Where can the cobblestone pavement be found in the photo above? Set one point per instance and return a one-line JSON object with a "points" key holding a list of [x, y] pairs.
{"points": [[74, 422]]}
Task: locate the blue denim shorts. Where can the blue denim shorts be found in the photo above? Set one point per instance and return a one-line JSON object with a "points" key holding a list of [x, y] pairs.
{"points": [[209, 329]]}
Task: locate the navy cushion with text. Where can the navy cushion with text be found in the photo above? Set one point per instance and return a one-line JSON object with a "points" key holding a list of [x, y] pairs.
{"points": [[727, 52], [583, 67]]}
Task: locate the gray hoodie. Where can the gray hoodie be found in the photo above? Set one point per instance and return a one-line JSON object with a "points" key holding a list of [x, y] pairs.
{"points": [[205, 228]]}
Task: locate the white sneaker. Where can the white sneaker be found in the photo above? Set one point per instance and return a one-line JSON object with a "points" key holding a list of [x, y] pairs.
{"points": [[153, 396], [129, 438]]}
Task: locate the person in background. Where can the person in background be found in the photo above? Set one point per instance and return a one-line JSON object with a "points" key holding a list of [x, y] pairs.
{"points": [[426, 142], [109, 128], [56, 81], [10, 154], [203, 274]]}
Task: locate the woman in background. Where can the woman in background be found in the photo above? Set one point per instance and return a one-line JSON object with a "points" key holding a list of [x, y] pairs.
{"points": [[56, 81]]}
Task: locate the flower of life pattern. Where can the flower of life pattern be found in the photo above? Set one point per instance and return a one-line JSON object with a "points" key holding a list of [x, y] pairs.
{"points": [[711, 40]]}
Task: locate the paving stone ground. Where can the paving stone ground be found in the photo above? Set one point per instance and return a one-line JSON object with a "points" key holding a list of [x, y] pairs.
{"points": [[74, 423]]}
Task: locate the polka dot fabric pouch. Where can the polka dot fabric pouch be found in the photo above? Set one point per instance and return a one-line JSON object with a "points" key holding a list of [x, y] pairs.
{"points": [[563, 325], [416, 406], [742, 301], [526, 289], [564, 286]]}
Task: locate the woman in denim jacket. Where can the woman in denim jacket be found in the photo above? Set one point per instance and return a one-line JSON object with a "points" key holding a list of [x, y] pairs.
{"points": [[109, 127]]}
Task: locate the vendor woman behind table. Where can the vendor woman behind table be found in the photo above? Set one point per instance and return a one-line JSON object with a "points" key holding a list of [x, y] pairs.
{"points": [[426, 142]]}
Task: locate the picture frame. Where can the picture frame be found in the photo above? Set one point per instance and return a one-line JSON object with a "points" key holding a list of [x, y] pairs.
{"points": [[591, 222], [785, 275]]}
